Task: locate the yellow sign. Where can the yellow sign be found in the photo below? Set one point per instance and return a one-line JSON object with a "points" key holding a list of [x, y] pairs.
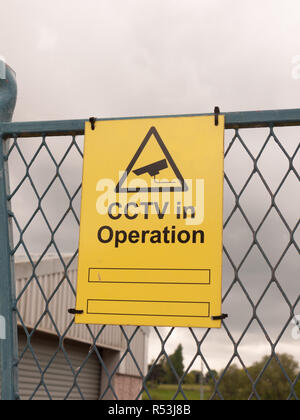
{"points": [[150, 250]]}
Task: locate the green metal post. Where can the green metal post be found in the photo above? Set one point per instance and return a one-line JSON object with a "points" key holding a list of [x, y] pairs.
{"points": [[8, 324], [8, 92]]}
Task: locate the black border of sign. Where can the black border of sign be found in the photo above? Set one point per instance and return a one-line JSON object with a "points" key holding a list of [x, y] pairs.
{"points": [[149, 269], [149, 301]]}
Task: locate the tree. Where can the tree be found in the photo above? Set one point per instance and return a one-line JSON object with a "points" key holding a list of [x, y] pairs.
{"points": [[211, 377], [272, 382], [193, 377], [157, 372], [235, 384], [176, 360]]}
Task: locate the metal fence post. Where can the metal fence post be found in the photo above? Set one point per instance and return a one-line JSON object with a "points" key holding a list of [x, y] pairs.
{"points": [[8, 333]]}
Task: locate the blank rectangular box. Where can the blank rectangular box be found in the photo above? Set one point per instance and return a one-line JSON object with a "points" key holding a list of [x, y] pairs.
{"points": [[147, 308], [144, 275]]}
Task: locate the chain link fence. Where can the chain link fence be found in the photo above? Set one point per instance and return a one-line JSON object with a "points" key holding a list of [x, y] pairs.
{"points": [[39, 221]]}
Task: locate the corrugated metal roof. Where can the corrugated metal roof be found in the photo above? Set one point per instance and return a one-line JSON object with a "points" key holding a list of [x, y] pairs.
{"points": [[44, 295]]}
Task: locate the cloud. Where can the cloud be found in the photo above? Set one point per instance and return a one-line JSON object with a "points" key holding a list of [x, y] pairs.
{"points": [[46, 38]]}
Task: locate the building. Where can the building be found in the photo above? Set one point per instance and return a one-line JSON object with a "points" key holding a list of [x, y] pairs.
{"points": [[56, 359]]}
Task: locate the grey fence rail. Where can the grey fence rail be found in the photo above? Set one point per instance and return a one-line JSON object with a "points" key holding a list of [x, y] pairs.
{"points": [[40, 187]]}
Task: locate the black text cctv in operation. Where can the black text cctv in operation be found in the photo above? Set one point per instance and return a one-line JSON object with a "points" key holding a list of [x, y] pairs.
{"points": [[168, 235]]}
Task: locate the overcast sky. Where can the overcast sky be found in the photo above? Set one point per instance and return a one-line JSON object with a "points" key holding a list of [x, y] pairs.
{"points": [[115, 58], [140, 57]]}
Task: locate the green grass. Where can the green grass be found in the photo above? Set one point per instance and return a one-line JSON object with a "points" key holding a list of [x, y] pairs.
{"points": [[167, 392]]}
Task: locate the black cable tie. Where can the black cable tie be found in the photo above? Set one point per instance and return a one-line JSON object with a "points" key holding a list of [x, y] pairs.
{"points": [[219, 318], [75, 312], [93, 120], [217, 113]]}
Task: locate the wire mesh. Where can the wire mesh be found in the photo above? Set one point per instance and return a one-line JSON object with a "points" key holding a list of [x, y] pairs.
{"points": [[245, 359]]}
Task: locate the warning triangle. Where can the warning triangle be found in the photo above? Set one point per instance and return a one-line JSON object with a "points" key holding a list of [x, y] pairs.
{"points": [[152, 169]]}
